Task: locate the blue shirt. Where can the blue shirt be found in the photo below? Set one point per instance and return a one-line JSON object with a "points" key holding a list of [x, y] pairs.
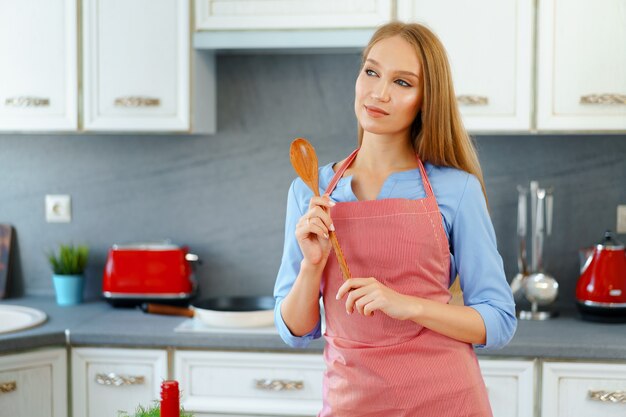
{"points": [[473, 249]]}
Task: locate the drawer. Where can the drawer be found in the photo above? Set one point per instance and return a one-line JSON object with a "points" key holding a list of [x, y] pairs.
{"points": [[105, 380], [277, 384], [510, 386], [584, 389], [34, 384]]}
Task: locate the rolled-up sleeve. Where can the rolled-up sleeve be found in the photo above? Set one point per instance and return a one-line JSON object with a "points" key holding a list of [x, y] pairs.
{"points": [[480, 267], [288, 271]]}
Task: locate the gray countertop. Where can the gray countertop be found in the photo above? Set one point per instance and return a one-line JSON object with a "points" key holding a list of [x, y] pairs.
{"points": [[98, 324]]}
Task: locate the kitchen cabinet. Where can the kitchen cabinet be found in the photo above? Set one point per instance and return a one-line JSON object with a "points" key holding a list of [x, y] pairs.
{"points": [[34, 384], [276, 384], [581, 77], [105, 380], [491, 58], [38, 75], [510, 386], [249, 383], [290, 14], [136, 65], [572, 389]]}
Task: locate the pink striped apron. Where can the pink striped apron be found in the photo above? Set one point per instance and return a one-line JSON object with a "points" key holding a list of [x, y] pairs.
{"points": [[382, 367]]}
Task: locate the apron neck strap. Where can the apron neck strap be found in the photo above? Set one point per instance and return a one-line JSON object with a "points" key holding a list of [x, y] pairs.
{"points": [[340, 171], [346, 164]]}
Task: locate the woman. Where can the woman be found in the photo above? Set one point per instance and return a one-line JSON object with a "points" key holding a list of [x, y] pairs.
{"points": [[409, 211]]}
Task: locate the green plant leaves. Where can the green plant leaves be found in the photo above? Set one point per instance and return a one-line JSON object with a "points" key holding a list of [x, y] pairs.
{"points": [[71, 260]]}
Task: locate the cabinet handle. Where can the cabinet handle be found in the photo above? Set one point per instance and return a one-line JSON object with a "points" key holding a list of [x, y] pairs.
{"points": [[603, 99], [119, 380], [279, 385], [25, 101], [469, 100], [137, 101], [6, 387], [608, 396]]}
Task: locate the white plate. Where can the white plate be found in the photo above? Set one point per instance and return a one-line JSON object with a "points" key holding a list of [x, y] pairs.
{"points": [[14, 318], [229, 319]]}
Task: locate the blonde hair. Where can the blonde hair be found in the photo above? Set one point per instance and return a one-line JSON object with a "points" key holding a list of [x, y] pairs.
{"points": [[437, 133]]}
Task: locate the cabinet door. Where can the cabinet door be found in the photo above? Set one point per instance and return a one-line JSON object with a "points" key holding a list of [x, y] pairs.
{"points": [[274, 384], [510, 385], [583, 389], [489, 46], [290, 14], [38, 81], [34, 384], [136, 65], [581, 65], [106, 381]]}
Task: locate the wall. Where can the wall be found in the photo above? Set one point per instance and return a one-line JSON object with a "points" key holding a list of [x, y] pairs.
{"points": [[225, 195]]}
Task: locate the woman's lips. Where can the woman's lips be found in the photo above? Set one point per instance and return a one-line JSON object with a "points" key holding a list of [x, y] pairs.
{"points": [[375, 111]]}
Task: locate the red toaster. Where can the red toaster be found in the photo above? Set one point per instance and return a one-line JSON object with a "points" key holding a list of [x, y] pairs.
{"points": [[149, 272]]}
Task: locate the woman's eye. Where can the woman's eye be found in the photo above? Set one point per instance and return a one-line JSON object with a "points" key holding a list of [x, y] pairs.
{"points": [[403, 83], [370, 72]]}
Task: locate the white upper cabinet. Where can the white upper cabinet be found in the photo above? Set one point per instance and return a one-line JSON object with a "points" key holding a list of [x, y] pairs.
{"points": [[581, 65], [38, 75], [489, 46], [290, 14], [136, 65]]}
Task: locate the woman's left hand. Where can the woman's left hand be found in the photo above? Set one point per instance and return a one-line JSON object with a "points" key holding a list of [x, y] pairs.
{"points": [[367, 295]]}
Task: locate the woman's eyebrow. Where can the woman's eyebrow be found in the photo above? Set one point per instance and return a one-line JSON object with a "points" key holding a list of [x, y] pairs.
{"points": [[373, 61]]}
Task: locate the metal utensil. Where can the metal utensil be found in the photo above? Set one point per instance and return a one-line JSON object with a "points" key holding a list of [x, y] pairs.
{"points": [[522, 265], [540, 288], [304, 162], [534, 185]]}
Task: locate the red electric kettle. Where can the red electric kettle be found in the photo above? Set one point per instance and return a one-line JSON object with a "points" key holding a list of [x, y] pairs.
{"points": [[601, 288]]}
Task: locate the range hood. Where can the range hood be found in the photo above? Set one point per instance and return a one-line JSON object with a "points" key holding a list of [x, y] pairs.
{"points": [[288, 41]]}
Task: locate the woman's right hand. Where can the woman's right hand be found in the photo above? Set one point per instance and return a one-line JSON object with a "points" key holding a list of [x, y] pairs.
{"points": [[312, 230]]}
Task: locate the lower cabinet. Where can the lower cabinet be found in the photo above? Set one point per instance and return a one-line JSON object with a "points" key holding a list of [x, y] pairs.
{"points": [[106, 381], [572, 389], [510, 386], [249, 383], [216, 384], [34, 384]]}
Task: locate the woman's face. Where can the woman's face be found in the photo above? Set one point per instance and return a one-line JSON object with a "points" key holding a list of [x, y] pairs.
{"points": [[388, 92]]}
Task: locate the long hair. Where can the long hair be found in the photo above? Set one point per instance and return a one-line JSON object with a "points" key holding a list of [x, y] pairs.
{"points": [[437, 133]]}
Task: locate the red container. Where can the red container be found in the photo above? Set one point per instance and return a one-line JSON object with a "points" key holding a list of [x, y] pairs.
{"points": [[148, 272], [601, 288], [170, 399]]}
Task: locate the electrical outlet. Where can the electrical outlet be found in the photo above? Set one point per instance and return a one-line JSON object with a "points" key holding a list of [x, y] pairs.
{"points": [[58, 208], [621, 218]]}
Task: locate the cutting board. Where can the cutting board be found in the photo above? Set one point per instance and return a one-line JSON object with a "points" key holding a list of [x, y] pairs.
{"points": [[6, 233]]}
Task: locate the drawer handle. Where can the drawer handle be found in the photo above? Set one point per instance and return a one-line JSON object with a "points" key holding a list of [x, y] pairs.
{"points": [[469, 100], [25, 101], [279, 385], [603, 99], [608, 396], [137, 101], [119, 380], [6, 387]]}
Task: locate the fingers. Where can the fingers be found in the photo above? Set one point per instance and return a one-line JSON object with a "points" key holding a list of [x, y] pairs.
{"points": [[362, 295], [316, 220], [307, 226], [319, 207], [353, 283]]}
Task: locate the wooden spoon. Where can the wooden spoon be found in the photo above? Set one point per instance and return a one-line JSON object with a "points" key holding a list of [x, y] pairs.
{"points": [[304, 161]]}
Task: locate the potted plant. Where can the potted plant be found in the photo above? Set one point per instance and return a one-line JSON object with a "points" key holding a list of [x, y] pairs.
{"points": [[68, 269], [152, 411]]}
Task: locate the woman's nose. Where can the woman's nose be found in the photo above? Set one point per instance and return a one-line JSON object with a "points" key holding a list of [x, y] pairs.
{"points": [[381, 92]]}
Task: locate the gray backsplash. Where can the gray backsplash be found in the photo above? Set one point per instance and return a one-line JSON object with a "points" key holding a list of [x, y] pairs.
{"points": [[225, 195]]}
